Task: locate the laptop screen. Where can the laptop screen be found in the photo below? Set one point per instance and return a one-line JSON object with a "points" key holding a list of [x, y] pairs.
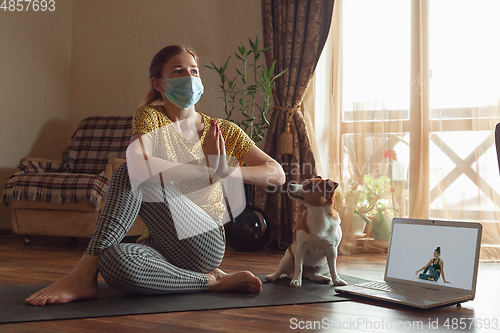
{"points": [[412, 254]]}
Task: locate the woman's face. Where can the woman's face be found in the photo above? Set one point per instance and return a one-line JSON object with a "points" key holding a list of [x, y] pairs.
{"points": [[436, 254], [182, 64]]}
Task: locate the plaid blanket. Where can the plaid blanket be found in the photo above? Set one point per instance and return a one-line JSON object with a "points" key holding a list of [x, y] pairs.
{"points": [[96, 140], [81, 177], [56, 187], [28, 166]]}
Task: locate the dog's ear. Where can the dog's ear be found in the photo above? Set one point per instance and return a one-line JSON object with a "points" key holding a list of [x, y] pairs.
{"points": [[331, 186], [318, 176], [335, 185]]}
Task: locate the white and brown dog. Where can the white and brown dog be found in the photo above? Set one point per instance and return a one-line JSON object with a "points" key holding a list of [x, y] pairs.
{"points": [[313, 252]]}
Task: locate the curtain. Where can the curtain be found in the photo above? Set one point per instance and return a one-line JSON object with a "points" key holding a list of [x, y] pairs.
{"points": [[435, 157], [296, 31], [346, 152]]}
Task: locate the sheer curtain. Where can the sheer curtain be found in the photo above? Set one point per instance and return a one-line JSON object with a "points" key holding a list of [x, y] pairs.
{"points": [[403, 109]]}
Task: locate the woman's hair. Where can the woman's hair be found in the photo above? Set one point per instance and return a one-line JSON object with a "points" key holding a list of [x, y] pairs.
{"points": [[438, 250], [156, 66]]}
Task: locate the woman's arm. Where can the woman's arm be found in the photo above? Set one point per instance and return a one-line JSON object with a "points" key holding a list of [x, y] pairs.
{"points": [[424, 267], [261, 169], [442, 272], [142, 166]]}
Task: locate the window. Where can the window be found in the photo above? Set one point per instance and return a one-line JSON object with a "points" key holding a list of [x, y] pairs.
{"points": [[376, 58], [421, 78]]}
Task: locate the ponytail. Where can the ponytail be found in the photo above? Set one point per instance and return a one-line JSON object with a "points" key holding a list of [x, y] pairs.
{"points": [[153, 95]]}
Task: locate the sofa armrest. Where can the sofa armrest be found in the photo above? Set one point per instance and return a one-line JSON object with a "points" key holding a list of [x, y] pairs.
{"points": [[39, 165], [42, 160], [113, 164]]}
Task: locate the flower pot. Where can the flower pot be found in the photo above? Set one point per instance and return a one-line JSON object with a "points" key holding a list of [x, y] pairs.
{"points": [[381, 225], [358, 225]]}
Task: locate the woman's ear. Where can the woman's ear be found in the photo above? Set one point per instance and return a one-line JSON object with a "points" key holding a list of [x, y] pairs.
{"points": [[157, 84]]}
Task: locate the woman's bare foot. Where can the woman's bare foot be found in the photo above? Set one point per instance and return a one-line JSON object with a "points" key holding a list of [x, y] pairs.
{"points": [[218, 280], [81, 283], [68, 289]]}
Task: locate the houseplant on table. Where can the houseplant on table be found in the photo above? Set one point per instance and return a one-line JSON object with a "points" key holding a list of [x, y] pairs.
{"points": [[249, 92], [375, 201]]}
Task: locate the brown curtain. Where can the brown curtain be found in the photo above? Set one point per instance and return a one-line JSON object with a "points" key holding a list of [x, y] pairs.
{"points": [[296, 31]]}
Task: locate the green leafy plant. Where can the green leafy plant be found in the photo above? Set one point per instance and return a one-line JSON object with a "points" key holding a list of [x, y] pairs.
{"points": [[256, 80], [378, 198], [375, 195], [375, 200]]}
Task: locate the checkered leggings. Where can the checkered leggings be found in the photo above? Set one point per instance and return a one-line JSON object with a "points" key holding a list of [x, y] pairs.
{"points": [[162, 263], [431, 273]]}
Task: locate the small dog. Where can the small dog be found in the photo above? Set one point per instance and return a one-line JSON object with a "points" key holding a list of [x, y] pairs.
{"points": [[315, 238]]}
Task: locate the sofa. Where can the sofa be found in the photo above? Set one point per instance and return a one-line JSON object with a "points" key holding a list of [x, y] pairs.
{"points": [[65, 198]]}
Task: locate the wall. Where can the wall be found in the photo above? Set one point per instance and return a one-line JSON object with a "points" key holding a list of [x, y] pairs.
{"points": [[115, 40], [34, 87], [92, 57]]}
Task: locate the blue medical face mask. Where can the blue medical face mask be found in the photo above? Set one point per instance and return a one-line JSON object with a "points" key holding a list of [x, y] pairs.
{"points": [[184, 91]]}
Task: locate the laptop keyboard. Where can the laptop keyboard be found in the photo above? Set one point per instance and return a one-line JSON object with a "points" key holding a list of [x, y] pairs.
{"points": [[431, 295]]}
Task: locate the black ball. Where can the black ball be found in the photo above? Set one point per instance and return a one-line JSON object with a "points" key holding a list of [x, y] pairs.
{"points": [[248, 231]]}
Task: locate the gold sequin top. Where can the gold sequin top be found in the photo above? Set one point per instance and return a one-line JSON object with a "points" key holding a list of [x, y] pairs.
{"points": [[168, 144]]}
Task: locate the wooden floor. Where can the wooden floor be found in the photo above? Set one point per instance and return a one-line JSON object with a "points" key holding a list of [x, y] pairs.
{"points": [[50, 258]]}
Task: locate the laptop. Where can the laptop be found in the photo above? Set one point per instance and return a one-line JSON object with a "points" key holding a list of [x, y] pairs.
{"points": [[411, 247]]}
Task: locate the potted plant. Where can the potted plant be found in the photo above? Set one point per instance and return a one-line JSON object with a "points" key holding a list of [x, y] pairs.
{"points": [[375, 201], [256, 81], [249, 92]]}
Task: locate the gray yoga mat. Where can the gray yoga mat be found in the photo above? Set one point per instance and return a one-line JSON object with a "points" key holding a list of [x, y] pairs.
{"points": [[111, 302]]}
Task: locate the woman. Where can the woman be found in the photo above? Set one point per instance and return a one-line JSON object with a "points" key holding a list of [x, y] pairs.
{"points": [[434, 268], [163, 261]]}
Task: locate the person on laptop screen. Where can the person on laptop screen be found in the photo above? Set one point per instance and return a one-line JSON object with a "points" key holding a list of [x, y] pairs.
{"points": [[434, 268]]}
